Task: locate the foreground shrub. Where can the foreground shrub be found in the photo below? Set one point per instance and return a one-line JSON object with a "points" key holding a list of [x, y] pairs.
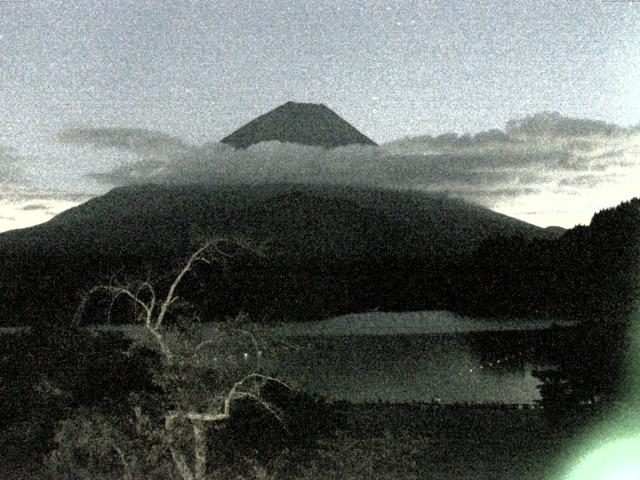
{"points": [[49, 372]]}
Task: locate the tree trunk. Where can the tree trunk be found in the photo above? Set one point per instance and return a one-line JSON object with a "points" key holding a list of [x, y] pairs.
{"points": [[200, 449], [178, 458]]}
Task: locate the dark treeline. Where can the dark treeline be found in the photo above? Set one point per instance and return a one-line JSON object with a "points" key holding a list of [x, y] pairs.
{"points": [[591, 272]]}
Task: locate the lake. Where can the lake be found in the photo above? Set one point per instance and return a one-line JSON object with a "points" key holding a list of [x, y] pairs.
{"points": [[410, 357], [417, 356], [406, 357], [413, 368]]}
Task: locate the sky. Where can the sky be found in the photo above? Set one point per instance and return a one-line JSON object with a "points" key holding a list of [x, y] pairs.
{"points": [[530, 108]]}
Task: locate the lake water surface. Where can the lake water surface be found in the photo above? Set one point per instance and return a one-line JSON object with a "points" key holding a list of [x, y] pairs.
{"points": [[405, 368], [408, 357], [413, 356]]}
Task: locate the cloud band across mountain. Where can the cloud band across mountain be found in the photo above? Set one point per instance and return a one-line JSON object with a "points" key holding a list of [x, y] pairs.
{"points": [[530, 165]]}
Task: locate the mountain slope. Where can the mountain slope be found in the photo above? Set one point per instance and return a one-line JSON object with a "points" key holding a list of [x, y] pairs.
{"points": [[318, 238], [299, 220], [304, 123]]}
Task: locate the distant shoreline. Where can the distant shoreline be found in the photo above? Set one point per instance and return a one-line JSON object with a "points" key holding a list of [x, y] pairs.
{"points": [[376, 323]]}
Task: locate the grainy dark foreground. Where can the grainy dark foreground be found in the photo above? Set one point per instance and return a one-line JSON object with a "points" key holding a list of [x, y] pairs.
{"points": [[413, 441]]}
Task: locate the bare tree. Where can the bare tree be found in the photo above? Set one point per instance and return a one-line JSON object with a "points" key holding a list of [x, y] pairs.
{"points": [[179, 361]]}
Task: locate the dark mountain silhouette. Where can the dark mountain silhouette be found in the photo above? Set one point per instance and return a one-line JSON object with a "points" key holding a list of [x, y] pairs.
{"points": [[304, 123], [328, 249], [295, 220]]}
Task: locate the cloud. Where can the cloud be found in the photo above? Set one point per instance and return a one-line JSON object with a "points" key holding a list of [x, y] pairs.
{"points": [[137, 140], [543, 156], [546, 140], [36, 206], [587, 180], [552, 124]]}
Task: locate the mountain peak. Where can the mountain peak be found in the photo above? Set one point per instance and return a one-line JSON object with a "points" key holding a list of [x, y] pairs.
{"points": [[304, 123]]}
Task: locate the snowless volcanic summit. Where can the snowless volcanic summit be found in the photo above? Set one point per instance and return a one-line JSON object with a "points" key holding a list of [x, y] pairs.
{"points": [[305, 123]]}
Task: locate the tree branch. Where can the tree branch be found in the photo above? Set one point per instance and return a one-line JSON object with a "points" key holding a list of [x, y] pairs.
{"points": [[170, 298], [117, 291]]}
